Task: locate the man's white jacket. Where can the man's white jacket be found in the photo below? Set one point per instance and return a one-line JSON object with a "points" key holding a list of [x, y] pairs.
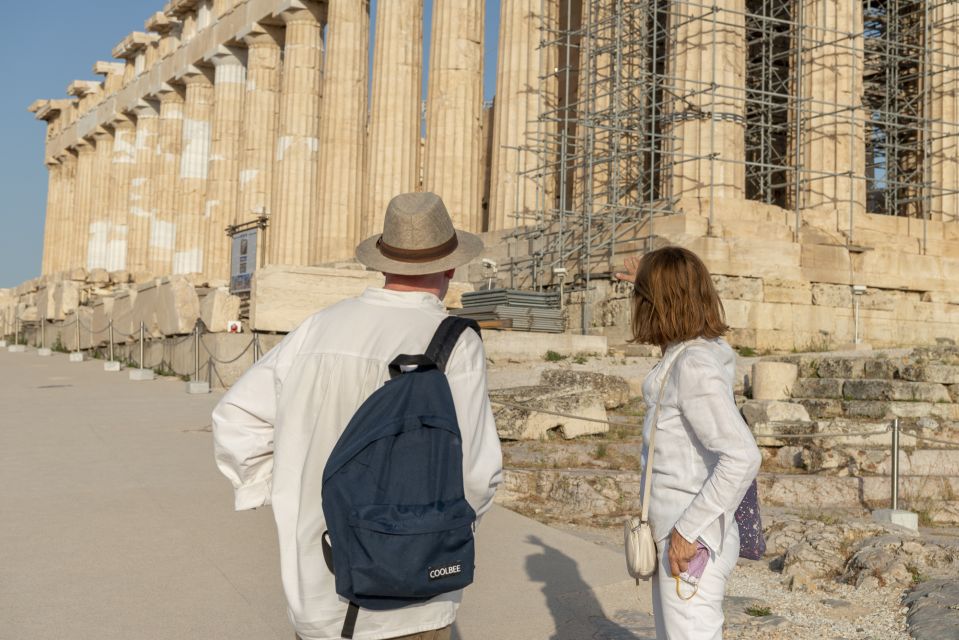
{"points": [[275, 428]]}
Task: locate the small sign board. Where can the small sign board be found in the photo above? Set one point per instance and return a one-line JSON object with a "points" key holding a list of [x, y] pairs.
{"points": [[243, 260]]}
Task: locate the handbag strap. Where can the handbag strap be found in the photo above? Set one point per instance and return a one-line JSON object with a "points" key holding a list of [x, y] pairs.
{"points": [[648, 481]]}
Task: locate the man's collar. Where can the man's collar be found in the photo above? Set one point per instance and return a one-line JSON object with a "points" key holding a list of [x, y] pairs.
{"points": [[402, 298]]}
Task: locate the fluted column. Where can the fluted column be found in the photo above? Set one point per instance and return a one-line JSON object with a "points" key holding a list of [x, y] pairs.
{"points": [[262, 101], [98, 252], [229, 86], [124, 157], [296, 149], [342, 131], [83, 203], [51, 221], [454, 110], [832, 140], [943, 164], [395, 109], [513, 187], [67, 219], [191, 227], [707, 110], [143, 188], [167, 167]]}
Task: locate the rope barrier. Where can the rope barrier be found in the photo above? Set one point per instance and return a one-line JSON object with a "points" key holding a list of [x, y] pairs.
{"points": [[230, 361], [950, 444]]}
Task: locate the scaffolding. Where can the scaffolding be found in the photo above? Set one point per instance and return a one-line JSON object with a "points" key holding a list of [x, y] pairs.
{"points": [[797, 104]]}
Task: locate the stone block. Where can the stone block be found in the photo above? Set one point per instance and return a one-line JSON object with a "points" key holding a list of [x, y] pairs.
{"points": [[141, 375], [771, 317], [79, 274], [739, 288], [77, 356], [178, 306], [831, 295], [100, 321], [757, 411], [896, 390], [737, 313], [217, 308], [120, 277], [523, 346], [112, 366], [871, 409], [773, 380], [898, 517], [16, 348], [822, 408], [818, 388], [938, 373], [881, 369], [44, 352], [68, 331], [98, 277], [613, 390], [46, 305], [515, 423], [66, 298], [124, 324], [848, 368], [283, 297], [197, 387], [776, 434], [787, 291], [145, 308], [454, 296]]}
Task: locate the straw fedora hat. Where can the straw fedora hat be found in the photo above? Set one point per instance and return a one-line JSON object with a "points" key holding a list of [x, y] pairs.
{"points": [[418, 239]]}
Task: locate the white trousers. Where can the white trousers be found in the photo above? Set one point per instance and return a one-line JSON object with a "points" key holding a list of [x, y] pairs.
{"points": [[700, 617]]}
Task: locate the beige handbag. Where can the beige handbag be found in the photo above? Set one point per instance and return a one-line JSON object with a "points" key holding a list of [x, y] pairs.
{"points": [[641, 556]]}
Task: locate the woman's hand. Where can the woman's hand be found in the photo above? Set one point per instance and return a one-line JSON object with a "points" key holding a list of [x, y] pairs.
{"points": [[681, 551], [632, 266]]}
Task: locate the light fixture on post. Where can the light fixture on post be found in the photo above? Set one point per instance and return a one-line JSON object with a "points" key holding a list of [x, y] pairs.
{"points": [[858, 291]]}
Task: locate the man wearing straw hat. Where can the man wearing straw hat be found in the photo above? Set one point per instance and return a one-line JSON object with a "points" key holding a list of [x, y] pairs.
{"points": [[274, 430]]}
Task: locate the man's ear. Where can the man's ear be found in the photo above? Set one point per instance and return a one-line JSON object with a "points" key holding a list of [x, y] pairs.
{"points": [[449, 274]]}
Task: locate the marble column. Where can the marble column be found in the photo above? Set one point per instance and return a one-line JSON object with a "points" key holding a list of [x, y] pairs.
{"points": [[513, 187], [943, 103], [341, 171], [124, 157], [162, 236], [296, 150], [191, 221], [707, 110], [832, 121], [143, 191], [70, 224], [83, 203], [262, 102], [100, 219], [394, 142], [229, 87], [51, 221], [454, 110]]}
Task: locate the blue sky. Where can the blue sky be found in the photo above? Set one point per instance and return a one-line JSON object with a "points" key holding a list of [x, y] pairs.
{"points": [[47, 48]]}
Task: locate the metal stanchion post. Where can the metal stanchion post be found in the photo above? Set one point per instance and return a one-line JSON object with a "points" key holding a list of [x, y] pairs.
{"points": [[895, 515], [895, 464], [194, 386], [16, 347], [111, 364], [142, 373], [43, 351], [77, 355], [256, 347]]}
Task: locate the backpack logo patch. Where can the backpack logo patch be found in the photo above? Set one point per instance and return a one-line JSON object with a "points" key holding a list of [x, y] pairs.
{"points": [[446, 570]]}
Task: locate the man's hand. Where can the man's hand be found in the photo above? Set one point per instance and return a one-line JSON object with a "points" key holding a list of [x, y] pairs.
{"points": [[681, 551], [632, 266]]}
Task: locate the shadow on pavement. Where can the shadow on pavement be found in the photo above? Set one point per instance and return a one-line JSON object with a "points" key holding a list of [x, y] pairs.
{"points": [[576, 611]]}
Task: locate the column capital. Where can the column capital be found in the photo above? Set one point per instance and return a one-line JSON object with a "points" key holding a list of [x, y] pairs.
{"points": [[83, 146], [227, 56], [304, 11], [122, 121], [161, 23], [146, 109], [102, 133], [262, 35], [132, 45], [170, 92], [196, 75], [104, 68], [83, 88]]}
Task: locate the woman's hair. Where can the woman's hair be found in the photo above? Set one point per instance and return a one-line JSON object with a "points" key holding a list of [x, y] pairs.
{"points": [[674, 299]]}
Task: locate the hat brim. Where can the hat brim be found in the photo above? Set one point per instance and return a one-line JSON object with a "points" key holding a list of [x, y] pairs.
{"points": [[469, 246]]}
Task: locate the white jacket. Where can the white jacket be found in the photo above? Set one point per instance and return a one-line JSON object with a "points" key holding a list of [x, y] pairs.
{"points": [[705, 456], [275, 428]]}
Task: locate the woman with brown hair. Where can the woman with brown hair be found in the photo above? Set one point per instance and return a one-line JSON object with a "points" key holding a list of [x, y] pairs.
{"points": [[704, 456]]}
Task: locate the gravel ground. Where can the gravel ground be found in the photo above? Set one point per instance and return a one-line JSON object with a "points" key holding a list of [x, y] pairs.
{"points": [[833, 612]]}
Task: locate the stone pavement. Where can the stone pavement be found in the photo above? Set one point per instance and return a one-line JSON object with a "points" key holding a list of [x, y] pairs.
{"points": [[116, 524]]}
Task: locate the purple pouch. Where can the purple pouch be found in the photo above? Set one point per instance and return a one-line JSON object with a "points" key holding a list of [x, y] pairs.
{"points": [[752, 542], [697, 566]]}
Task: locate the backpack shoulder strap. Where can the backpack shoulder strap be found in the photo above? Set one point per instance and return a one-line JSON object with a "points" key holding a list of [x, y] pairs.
{"points": [[449, 331]]}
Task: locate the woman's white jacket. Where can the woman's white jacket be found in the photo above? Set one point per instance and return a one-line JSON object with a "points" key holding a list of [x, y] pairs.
{"points": [[705, 456]]}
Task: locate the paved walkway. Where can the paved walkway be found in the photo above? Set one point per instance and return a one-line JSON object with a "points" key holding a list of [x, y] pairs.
{"points": [[114, 523]]}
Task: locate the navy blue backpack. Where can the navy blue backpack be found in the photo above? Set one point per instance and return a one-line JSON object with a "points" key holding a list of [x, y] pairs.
{"points": [[399, 528]]}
